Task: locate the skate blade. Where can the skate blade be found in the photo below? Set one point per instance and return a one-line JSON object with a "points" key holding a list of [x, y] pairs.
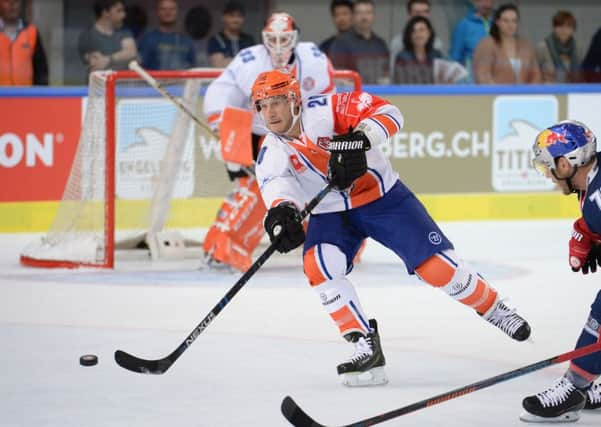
{"points": [[216, 267], [592, 407], [373, 377], [568, 417]]}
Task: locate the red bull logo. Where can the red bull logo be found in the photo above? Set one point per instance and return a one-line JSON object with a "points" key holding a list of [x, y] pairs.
{"points": [[548, 137]]}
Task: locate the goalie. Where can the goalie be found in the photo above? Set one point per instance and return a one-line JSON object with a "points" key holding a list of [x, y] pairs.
{"points": [[335, 138], [237, 229]]}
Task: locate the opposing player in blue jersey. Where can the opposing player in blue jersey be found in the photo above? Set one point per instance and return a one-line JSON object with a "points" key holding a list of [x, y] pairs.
{"points": [[567, 153]]}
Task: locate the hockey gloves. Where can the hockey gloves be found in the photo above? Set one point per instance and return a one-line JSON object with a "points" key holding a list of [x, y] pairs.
{"points": [[585, 254], [347, 158], [285, 227]]}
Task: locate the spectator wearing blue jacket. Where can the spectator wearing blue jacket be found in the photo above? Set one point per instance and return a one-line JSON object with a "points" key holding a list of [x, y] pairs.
{"points": [[470, 31], [165, 48]]}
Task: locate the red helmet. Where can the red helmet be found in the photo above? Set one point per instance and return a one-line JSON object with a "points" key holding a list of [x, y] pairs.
{"points": [[279, 37], [275, 83]]}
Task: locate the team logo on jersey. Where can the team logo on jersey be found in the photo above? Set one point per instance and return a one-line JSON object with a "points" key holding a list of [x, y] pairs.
{"points": [[308, 83], [435, 238], [323, 142], [365, 101], [297, 164]]}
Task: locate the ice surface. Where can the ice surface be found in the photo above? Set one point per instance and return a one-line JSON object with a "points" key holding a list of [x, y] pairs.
{"points": [[274, 338]]}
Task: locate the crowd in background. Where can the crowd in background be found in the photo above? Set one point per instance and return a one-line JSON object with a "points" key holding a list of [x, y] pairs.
{"points": [[485, 46]]}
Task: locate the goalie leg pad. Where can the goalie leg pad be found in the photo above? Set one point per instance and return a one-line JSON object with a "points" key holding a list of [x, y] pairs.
{"points": [[238, 229], [446, 271], [325, 267], [373, 377]]}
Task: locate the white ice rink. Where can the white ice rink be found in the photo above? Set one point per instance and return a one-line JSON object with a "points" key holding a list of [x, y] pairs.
{"points": [[275, 339]]}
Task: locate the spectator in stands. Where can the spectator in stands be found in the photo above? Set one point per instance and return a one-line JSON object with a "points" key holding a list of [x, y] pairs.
{"points": [[22, 57], [198, 23], [136, 20], [342, 16], [361, 49], [558, 54], [415, 64], [504, 57], [166, 48], [591, 66], [105, 45], [469, 31], [226, 44], [414, 8]]}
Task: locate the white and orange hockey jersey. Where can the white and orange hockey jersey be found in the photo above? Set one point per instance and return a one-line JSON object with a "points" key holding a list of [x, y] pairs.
{"points": [[232, 88], [295, 170]]}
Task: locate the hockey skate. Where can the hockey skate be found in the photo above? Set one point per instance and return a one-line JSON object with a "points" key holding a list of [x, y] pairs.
{"points": [[208, 263], [508, 321], [593, 397], [560, 403], [366, 366]]}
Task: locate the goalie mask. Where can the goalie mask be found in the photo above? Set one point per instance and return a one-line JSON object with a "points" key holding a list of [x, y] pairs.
{"points": [[279, 37]]}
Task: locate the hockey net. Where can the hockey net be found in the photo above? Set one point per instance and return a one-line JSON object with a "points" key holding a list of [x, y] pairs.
{"points": [[142, 170]]}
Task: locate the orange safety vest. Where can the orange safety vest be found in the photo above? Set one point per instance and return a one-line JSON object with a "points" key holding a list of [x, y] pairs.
{"points": [[16, 58]]}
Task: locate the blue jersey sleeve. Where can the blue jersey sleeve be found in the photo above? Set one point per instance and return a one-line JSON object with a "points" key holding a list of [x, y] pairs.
{"points": [[591, 205]]}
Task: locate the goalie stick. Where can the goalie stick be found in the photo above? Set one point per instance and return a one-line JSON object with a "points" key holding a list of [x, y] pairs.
{"points": [[299, 418], [160, 366], [134, 66]]}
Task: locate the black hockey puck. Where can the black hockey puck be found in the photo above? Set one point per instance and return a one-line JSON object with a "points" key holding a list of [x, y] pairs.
{"points": [[88, 360]]}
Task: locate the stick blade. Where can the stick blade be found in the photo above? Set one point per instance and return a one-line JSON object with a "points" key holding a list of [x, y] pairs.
{"points": [[296, 415], [141, 366]]}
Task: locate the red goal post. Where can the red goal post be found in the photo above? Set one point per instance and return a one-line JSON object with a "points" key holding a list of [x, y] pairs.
{"points": [[138, 155]]}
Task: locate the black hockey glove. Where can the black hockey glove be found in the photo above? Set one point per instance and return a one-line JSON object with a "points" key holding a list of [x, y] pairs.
{"points": [[347, 158], [592, 260], [285, 227]]}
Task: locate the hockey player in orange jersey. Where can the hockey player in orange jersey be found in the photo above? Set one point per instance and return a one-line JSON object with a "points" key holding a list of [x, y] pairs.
{"points": [[238, 229], [335, 138]]}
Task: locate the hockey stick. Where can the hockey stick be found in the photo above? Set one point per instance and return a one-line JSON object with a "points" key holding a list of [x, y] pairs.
{"points": [[134, 66], [160, 366], [299, 418]]}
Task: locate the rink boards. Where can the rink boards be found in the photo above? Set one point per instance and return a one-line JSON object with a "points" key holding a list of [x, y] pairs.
{"points": [[465, 150]]}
